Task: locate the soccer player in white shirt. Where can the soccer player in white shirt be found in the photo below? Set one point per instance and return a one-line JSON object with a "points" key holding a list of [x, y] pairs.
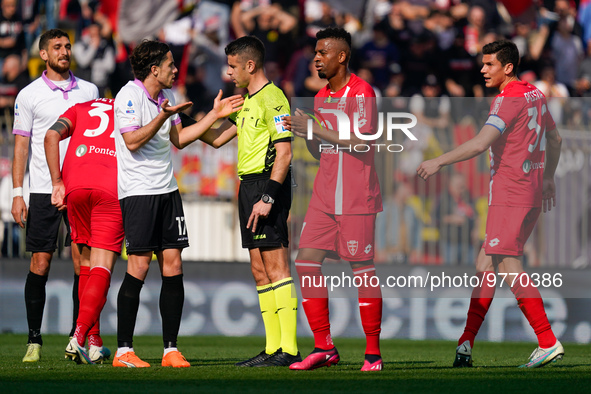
{"points": [[37, 107], [153, 219]]}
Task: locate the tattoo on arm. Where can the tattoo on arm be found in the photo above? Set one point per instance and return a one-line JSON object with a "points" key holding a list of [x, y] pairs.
{"points": [[61, 126]]}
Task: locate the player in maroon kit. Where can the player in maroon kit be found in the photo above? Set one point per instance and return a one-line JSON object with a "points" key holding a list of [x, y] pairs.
{"points": [[346, 198], [524, 152], [88, 185]]}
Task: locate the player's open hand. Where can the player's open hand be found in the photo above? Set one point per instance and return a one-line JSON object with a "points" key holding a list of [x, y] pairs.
{"points": [[57, 196], [171, 110], [298, 124], [19, 211], [227, 106], [259, 210], [428, 168], [548, 194]]}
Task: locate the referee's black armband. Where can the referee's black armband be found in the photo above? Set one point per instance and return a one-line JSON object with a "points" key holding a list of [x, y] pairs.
{"points": [[272, 188], [186, 120]]}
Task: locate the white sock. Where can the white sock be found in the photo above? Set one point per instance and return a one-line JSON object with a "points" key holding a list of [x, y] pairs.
{"points": [[170, 349], [122, 350]]}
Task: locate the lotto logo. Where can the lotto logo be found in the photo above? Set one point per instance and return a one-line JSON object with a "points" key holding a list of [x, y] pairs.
{"points": [[494, 242], [352, 246], [367, 249]]}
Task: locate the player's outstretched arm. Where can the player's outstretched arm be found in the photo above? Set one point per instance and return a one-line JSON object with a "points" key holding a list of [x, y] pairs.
{"points": [[134, 140], [469, 149], [553, 145], [60, 130], [182, 137], [19, 164]]}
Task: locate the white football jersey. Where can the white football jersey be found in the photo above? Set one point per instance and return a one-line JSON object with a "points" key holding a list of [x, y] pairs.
{"points": [[36, 109], [147, 171]]}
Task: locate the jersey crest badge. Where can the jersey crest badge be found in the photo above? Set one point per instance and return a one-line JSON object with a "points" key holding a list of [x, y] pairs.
{"points": [[352, 246], [130, 109]]}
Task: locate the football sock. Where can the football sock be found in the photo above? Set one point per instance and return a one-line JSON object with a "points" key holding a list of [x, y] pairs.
{"points": [[370, 307], [531, 304], [92, 302], [172, 298], [122, 350], [479, 303], [270, 318], [35, 302], [75, 301], [169, 349], [80, 286], [128, 303], [287, 310], [315, 302]]}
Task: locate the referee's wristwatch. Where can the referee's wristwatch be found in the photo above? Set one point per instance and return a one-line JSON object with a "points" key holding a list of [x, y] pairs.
{"points": [[267, 199]]}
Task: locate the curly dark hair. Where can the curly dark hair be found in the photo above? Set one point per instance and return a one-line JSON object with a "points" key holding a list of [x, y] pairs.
{"points": [[50, 35], [247, 48], [147, 54], [506, 52]]}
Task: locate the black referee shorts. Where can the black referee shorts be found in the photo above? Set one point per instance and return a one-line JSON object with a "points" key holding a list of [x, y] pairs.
{"points": [[272, 231], [43, 224]]}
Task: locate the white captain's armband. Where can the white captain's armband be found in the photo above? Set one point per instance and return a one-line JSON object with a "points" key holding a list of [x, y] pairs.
{"points": [[497, 122]]}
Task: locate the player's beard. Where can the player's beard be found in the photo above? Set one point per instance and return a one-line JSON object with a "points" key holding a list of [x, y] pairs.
{"points": [[322, 75], [55, 66]]}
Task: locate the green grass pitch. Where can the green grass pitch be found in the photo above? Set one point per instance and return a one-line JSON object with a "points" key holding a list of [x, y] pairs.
{"points": [[409, 367]]}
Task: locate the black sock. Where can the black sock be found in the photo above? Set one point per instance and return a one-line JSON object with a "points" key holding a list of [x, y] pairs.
{"points": [[128, 303], [76, 302], [35, 302], [172, 298], [372, 358]]}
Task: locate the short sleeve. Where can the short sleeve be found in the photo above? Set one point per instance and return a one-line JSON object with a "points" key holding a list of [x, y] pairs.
{"points": [[275, 111], [363, 102], [23, 116], [127, 111], [72, 115], [503, 112]]}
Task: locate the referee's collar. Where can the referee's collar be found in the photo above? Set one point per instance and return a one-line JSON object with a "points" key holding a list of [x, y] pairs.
{"points": [[264, 86], [161, 97]]}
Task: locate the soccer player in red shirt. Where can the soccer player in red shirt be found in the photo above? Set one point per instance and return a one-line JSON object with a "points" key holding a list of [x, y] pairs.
{"points": [[346, 198], [524, 152], [87, 183]]}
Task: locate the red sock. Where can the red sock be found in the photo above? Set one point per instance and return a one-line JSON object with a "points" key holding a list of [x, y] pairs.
{"points": [[315, 301], [530, 302], [92, 302], [370, 306], [479, 303]]}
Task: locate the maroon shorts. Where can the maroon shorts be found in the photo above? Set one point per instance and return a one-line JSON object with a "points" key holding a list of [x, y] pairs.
{"points": [[508, 228], [351, 237], [95, 219]]}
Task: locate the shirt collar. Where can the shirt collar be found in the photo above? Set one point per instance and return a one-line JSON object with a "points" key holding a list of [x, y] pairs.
{"points": [[53, 86], [161, 97]]}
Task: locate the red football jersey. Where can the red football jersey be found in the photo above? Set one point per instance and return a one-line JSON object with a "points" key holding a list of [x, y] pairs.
{"points": [[91, 160], [520, 113], [347, 182]]}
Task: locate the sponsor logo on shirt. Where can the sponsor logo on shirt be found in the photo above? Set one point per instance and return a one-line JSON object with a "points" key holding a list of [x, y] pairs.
{"points": [[81, 150], [352, 246], [494, 242], [331, 100], [527, 166]]}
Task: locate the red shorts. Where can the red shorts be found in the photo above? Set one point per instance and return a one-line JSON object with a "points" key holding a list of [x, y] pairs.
{"points": [[95, 219], [508, 228], [351, 237]]}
